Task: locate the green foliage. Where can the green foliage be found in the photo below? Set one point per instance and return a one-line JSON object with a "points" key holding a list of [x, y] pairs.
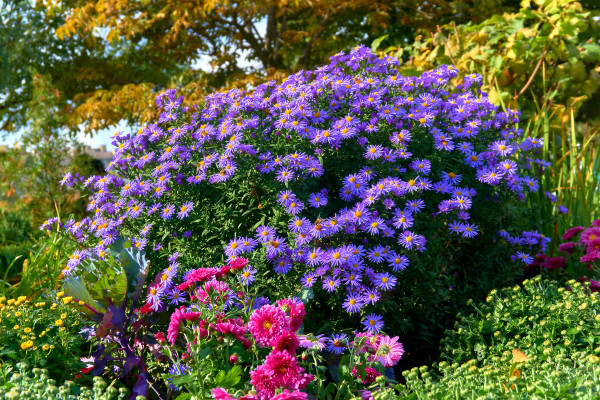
{"points": [[545, 61], [45, 333], [21, 381], [41, 269], [537, 340]]}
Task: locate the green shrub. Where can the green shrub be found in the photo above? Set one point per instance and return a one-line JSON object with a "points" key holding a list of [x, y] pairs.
{"points": [[24, 382], [44, 333], [541, 338]]}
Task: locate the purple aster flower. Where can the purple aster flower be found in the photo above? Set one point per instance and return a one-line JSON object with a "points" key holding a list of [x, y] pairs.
{"points": [[397, 262], [283, 265], [353, 304], [563, 209], [373, 323], [185, 210], [371, 296], [234, 248], [177, 369], [469, 230], [176, 296], [308, 280], [285, 175], [550, 196], [384, 281], [330, 283], [264, 233], [526, 258], [248, 275], [286, 197], [167, 212], [317, 200], [337, 343]]}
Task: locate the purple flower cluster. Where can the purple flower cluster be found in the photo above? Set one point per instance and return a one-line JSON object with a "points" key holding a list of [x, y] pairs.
{"points": [[357, 101]]}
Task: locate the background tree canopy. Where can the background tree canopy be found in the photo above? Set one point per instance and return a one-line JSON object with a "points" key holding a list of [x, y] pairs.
{"points": [[107, 59]]}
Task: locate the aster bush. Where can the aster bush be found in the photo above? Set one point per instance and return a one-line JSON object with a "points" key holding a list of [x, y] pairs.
{"points": [[369, 190]]}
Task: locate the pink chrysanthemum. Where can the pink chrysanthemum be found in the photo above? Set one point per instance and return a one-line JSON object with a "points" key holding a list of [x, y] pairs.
{"points": [[287, 395], [192, 316], [590, 234], [568, 247], [297, 314], [238, 263], [264, 382], [389, 351], [303, 381], [287, 341], [266, 324], [176, 319], [198, 275], [593, 244], [219, 291], [591, 256], [283, 367], [229, 328], [572, 232], [555, 263], [221, 394]]}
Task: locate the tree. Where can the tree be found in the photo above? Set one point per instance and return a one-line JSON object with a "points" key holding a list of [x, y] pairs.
{"points": [[110, 58]]}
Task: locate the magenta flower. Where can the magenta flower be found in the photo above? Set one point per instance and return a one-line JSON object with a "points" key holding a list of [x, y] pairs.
{"points": [[266, 324], [389, 351], [176, 319]]}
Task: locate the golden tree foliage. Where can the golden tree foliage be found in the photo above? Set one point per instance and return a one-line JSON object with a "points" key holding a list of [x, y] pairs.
{"points": [[275, 37]]}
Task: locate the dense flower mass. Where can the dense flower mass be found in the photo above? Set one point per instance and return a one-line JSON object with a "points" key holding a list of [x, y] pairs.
{"points": [[391, 149]]}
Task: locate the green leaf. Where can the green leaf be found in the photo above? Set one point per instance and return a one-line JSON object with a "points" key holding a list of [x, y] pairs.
{"points": [[229, 379], [306, 294], [182, 380], [377, 42], [184, 396]]}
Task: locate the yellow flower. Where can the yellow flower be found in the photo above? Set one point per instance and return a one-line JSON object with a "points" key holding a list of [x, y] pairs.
{"points": [[58, 322], [16, 327], [35, 348], [67, 300], [27, 330], [54, 306], [22, 298], [11, 301], [24, 346], [51, 346], [63, 316], [45, 347], [60, 294], [30, 343], [81, 302], [62, 329], [18, 314], [2, 299]]}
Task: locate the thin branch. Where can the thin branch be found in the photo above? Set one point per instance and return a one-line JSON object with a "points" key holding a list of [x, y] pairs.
{"points": [[533, 74], [315, 35]]}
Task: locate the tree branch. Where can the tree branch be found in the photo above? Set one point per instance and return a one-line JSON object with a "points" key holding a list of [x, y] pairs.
{"points": [[306, 51]]}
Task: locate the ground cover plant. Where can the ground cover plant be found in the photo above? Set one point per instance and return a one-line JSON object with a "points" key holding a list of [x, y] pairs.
{"points": [[533, 341]]}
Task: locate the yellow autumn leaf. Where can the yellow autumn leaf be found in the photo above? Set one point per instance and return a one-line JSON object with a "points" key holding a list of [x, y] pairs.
{"points": [[519, 356]]}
